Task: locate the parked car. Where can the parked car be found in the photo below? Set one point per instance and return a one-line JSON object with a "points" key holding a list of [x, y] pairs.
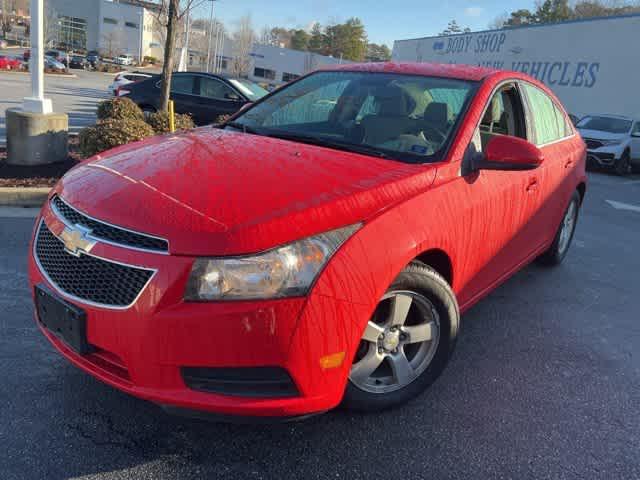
{"points": [[9, 63], [613, 141], [126, 78], [203, 95], [124, 59], [93, 57], [296, 259], [78, 62], [52, 64], [58, 55]]}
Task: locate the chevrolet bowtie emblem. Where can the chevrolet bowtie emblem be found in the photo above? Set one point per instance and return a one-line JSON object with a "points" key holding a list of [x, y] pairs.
{"points": [[76, 240]]}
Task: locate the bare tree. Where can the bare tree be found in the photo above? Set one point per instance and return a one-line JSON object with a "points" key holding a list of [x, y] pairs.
{"points": [[243, 39], [112, 42], [169, 15], [51, 24], [5, 17]]}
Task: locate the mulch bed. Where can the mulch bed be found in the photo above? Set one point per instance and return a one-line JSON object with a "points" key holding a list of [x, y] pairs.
{"points": [[38, 175]]}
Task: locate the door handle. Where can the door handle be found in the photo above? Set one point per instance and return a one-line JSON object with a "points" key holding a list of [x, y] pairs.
{"points": [[533, 185], [568, 164]]}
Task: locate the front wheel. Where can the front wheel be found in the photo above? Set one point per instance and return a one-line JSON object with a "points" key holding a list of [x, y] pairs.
{"points": [[623, 165], [407, 342], [562, 241]]}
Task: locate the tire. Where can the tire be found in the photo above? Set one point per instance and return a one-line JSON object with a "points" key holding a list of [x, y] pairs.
{"points": [[424, 306], [147, 110], [623, 165], [562, 241]]}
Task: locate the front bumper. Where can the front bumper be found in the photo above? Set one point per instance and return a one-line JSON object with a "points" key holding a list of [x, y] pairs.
{"points": [[142, 349]]}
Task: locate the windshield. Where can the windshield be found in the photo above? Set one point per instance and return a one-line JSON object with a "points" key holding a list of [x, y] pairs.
{"points": [[404, 117], [253, 91], [605, 124]]}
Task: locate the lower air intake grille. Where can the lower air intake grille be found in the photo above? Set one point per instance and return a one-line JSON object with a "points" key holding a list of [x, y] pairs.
{"points": [[88, 278], [261, 382]]}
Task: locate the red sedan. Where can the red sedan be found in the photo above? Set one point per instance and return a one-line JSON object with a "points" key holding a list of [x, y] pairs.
{"points": [[318, 249]]}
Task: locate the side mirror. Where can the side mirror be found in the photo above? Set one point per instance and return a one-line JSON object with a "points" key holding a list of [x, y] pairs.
{"points": [[509, 153], [636, 134]]}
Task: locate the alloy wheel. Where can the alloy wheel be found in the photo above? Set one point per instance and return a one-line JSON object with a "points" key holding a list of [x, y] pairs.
{"points": [[568, 226], [398, 344]]}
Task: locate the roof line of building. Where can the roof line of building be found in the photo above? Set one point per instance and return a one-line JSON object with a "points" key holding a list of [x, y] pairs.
{"points": [[519, 27]]}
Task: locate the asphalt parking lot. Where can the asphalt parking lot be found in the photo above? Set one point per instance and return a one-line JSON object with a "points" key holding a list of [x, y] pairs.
{"points": [[545, 383], [77, 96]]}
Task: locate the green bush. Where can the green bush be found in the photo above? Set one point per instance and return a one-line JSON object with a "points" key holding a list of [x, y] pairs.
{"points": [[111, 133], [149, 59], [159, 121], [119, 108]]}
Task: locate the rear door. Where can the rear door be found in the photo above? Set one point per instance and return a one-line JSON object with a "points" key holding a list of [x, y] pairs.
{"points": [[217, 98], [184, 93], [555, 136]]}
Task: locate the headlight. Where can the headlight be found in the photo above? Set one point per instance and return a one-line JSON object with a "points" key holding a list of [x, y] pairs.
{"points": [[282, 272]]}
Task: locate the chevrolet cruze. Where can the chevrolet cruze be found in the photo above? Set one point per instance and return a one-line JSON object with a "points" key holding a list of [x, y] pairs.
{"points": [[316, 250]]}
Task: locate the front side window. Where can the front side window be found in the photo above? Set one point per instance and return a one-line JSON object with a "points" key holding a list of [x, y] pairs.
{"points": [[636, 129], [504, 115], [405, 117], [212, 88], [549, 121]]}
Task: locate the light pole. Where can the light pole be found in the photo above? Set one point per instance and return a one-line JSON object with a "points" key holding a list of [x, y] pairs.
{"points": [[210, 35], [36, 103]]}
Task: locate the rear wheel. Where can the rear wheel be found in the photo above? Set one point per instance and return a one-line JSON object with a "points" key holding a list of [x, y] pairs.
{"points": [[562, 241], [406, 343]]}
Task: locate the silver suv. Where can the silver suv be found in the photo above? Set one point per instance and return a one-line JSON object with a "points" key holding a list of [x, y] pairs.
{"points": [[613, 141]]}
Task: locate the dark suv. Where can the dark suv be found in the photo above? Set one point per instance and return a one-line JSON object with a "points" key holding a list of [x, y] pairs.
{"points": [[203, 95]]}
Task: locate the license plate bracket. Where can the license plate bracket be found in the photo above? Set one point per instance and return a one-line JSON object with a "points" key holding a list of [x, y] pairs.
{"points": [[64, 320]]}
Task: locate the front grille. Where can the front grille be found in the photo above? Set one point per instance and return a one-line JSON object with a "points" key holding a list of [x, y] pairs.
{"points": [[592, 144], [107, 232], [88, 278]]}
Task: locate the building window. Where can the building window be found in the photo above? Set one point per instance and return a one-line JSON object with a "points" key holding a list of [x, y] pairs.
{"points": [[289, 77], [110, 21], [223, 64], [131, 25], [72, 33], [264, 73]]}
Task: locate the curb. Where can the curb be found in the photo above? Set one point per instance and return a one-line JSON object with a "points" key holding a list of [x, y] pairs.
{"points": [[23, 196]]}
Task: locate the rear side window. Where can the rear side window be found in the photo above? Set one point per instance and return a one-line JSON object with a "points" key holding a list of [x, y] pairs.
{"points": [[212, 88], [182, 84], [549, 121]]}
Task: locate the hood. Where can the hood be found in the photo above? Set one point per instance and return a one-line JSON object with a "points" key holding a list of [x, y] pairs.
{"points": [[213, 192], [601, 135]]}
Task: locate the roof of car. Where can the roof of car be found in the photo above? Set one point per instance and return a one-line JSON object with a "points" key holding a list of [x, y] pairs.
{"points": [[462, 72]]}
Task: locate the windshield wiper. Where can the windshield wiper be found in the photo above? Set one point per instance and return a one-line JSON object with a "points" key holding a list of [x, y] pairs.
{"points": [[329, 143], [241, 126]]}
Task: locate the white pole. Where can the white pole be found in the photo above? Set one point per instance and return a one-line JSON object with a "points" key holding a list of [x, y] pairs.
{"points": [[141, 27], [36, 103], [215, 51]]}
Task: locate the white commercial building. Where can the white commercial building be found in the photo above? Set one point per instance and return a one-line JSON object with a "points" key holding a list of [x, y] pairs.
{"points": [[267, 64], [111, 27], [591, 64]]}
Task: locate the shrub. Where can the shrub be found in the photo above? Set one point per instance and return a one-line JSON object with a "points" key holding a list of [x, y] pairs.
{"points": [[159, 121], [150, 59], [119, 108], [222, 119], [111, 133]]}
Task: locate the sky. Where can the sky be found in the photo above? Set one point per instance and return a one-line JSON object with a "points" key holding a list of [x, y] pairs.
{"points": [[385, 20]]}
